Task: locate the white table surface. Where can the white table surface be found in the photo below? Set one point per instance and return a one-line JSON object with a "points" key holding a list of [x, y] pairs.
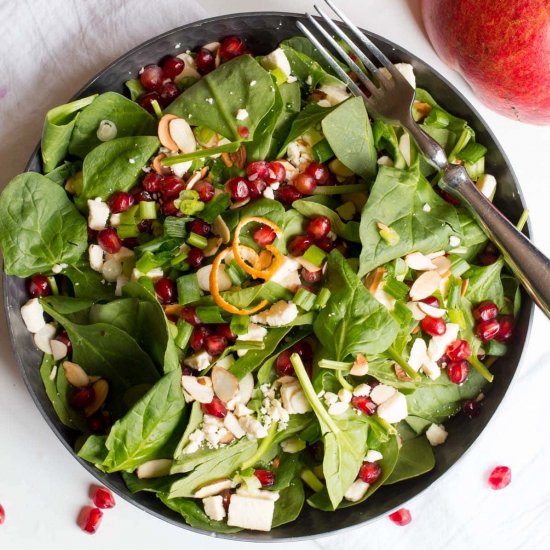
{"points": [[42, 487]]}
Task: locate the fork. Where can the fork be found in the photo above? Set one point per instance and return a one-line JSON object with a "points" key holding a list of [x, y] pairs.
{"points": [[390, 98]]}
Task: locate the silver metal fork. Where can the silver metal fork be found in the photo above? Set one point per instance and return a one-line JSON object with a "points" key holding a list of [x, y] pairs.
{"points": [[391, 98]]}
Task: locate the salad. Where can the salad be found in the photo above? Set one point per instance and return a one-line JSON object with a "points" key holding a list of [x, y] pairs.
{"points": [[251, 295]]}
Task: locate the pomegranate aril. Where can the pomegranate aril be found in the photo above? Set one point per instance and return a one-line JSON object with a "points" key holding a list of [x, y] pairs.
{"points": [[304, 183], [205, 61], [38, 286], [238, 189], [215, 344], [258, 169], [2, 514], [299, 244], [141, 195], [199, 227], [319, 227], [189, 314], [458, 371], [152, 182], [500, 477], [287, 194], [172, 66], [256, 188], [120, 202], [458, 350], [225, 331], [90, 518], [195, 256], [146, 101], [63, 337], [103, 498], [434, 326], [215, 408], [145, 226], [226, 498], [311, 276], [166, 290], [326, 244], [471, 408], [487, 330], [369, 472], [303, 349], [172, 187], [265, 477], [449, 198], [276, 173], [196, 341], [188, 371], [231, 46], [342, 247], [81, 397], [151, 78], [264, 235], [283, 366], [485, 311], [364, 404], [170, 209], [319, 172], [168, 93], [506, 328], [487, 259], [205, 190], [401, 517], [243, 131], [431, 301], [97, 423]]}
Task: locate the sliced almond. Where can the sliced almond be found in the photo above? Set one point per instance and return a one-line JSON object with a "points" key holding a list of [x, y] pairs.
{"points": [[158, 167], [173, 309], [419, 262], [164, 132], [228, 437], [464, 288], [101, 389], [197, 389], [232, 424], [212, 47], [219, 227], [182, 135], [238, 158], [425, 285], [443, 265], [225, 384], [433, 255], [59, 350], [75, 374], [236, 205], [214, 244], [432, 311], [401, 374], [246, 387], [196, 177], [227, 160], [213, 488], [374, 278], [291, 170], [360, 366], [43, 338], [417, 313], [154, 468]]}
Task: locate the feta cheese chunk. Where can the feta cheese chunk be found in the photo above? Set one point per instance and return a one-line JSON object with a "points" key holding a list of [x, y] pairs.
{"points": [[199, 361], [277, 59], [294, 399], [373, 456], [381, 393], [356, 490], [393, 409], [436, 434], [98, 214], [213, 507], [406, 69], [256, 333], [33, 315], [279, 314], [252, 428], [334, 94], [95, 257], [287, 275], [250, 512], [43, 338], [454, 241], [242, 114]]}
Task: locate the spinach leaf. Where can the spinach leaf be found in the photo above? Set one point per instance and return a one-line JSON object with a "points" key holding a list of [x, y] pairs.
{"points": [[305, 46], [57, 131], [129, 118], [195, 419], [310, 209], [473, 237], [290, 503], [349, 135], [292, 102], [122, 314], [39, 226], [60, 174], [416, 457], [453, 122], [217, 97], [151, 485], [352, 321], [397, 200], [266, 208], [485, 283], [147, 427], [385, 138], [94, 450], [87, 284], [135, 88], [272, 292], [114, 166], [293, 223]]}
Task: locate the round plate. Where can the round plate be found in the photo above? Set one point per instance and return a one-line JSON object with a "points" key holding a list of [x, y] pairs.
{"points": [[263, 31]]}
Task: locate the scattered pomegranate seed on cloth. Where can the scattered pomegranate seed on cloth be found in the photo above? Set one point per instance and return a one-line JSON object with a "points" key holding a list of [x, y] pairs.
{"points": [[103, 498], [500, 477], [2, 514], [401, 517], [89, 519]]}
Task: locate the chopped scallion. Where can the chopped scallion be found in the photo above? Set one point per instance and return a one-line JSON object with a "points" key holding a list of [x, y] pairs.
{"points": [[315, 255], [197, 241], [210, 315], [395, 288], [188, 288], [239, 324], [185, 330], [304, 299]]}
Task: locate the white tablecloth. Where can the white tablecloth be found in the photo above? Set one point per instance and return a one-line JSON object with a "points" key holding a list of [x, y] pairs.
{"points": [[49, 49]]}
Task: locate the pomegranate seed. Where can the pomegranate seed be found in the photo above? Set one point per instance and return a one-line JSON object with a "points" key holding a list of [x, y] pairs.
{"points": [[109, 240], [304, 183], [487, 330], [485, 311], [319, 172], [172, 66], [166, 290], [506, 328], [243, 131], [311, 276], [205, 61], [196, 341], [449, 198], [141, 195], [487, 259], [287, 194], [89, 519], [146, 101], [364, 404], [225, 331], [238, 188], [276, 173], [265, 477], [303, 349], [215, 344], [401, 517], [172, 187], [168, 93], [188, 371], [258, 169], [152, 182], [145, 226], [81, 397], [103, 498], [97, 423], [471, 408], [326, 244], [318, 228], [2, 514], [433, 326], [431, 301], [458, 371], [63, 337], [299, 244], [458, 350], [38, 286], [195, 256], [151, 78], [199, 227], [283, 366], [256, 188], [120, 202], [215, 408], [189, 314], [369, 472], [205, 190], [500, 477], [264, 235], [170, 209], [226, 498], [231, 46], [130, 242]]}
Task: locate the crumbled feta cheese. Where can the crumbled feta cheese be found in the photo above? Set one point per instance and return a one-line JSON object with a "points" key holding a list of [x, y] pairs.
{"points": [[299, 154], [381, 393], [384, 161], [250, 512], [427, 208], [242, 114], [33, 315], [362, 390], [209, 100], [199, 361], [345, 395], [43, 338], [268, 193], [454, 241], [252, 83], [253, 428], [98, 214], [436, 434], [279, 314], [95, 257], [288, 274], [256, 333], [121, 281], [356, 491], [418, 355], [330, 398], [58, 268], [213, 507], [277, 59], [334, 94], [373, 456], [438, 344], [338, 408], [394, 409]]}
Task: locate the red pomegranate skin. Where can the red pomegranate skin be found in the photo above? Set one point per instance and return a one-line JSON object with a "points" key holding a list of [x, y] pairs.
{"points": [[501, 48]]}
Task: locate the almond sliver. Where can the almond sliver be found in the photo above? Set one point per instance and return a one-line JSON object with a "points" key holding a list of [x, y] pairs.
{"points": [[443, 265], [164, 132], [225, 384], [75, 374], [431, 311], [425, 285], [419, 262], [182, 135]]}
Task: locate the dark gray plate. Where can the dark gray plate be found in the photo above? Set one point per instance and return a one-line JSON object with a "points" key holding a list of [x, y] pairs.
{"points": [[263, 31]]}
